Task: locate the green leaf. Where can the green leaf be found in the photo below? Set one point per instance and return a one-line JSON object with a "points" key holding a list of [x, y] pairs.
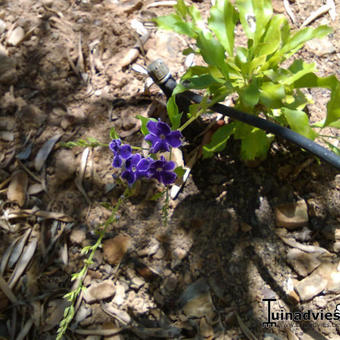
{"points": [[174, 115], [272, 94], [113, 133], [255, 145], [181, 8], [333, 108], [218, 140], [332, 83], [212, 52], [174, 23], [247, 16], [222, 21], [144, 121], [199, 82], [250, 95], [272, 37], [180, 171], [263, 14], [297, 40], [298, 121]]}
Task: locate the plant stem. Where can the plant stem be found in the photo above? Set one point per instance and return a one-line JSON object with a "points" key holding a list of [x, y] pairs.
{"points": [[78, 286]]}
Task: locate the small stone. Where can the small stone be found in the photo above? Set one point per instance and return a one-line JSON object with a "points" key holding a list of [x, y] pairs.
{"points": [[78, 235], [302, 262], [16, 36], [320, 47], [17, 188], [2, 26], [7, 136], [336, 247], [115, 248], [8, 73], [120, 294], [329, 272], [137, 282], [65, 165], [311, 286], [291, 215], [99, 291]]}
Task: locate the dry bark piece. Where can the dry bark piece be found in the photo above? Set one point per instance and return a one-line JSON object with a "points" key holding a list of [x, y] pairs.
{"points": [[291, 215], [17, 188], [44, 152], [196, 300], [302, 262], [115, 248], [311, 286], [99, 291]]}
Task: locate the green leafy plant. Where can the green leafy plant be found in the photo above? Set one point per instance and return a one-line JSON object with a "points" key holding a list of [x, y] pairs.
{"points": [[253, 72]]}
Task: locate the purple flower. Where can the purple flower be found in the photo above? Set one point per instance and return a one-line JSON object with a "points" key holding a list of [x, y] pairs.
{"points": [[162, 171], [161, 136], [120, 152], [136, 167]]}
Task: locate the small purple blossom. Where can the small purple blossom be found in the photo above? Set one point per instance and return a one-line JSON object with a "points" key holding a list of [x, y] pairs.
{"points": [[162, 171], [161, 136], [120, 152], [136, 167]]}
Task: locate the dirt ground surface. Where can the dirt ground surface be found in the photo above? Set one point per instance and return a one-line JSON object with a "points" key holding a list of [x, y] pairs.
{"points": [[237, 235]]}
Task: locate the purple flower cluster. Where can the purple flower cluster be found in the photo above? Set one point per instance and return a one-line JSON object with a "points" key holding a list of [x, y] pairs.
{"points": [[136, 166]]}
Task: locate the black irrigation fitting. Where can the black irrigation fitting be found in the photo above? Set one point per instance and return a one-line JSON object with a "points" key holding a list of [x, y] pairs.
{"points": [[159, 72]]}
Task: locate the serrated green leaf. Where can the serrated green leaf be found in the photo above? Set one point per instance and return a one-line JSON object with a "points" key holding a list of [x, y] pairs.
{"points": [[297, 40], [222, 21], [331, 83], [298, 122], [255, 145], [218, 140], [174, 23]]}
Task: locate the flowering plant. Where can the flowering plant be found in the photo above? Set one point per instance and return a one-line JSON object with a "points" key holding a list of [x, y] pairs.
{"points": [[135, 166]]}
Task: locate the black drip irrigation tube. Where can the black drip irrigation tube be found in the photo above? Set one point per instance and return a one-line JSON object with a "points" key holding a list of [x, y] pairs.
{"points": [[159, 72]]}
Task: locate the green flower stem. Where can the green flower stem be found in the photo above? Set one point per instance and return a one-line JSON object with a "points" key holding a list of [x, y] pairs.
{"points": [[79, 277], [191, 119]]}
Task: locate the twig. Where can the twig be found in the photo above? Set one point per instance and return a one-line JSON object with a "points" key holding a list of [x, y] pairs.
{"points": [[322, 10], [289, 11]]}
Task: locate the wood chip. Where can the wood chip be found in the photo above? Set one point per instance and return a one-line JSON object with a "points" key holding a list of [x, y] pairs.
{"points": [[17, 188], [115, 248]]}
